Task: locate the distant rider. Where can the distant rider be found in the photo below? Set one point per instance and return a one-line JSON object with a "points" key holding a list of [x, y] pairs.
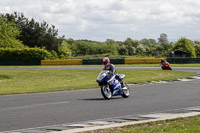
{"points": [[162, 62]]}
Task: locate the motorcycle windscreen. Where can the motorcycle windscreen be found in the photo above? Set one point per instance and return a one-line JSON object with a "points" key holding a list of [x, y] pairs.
{"points": [[101, 75]]}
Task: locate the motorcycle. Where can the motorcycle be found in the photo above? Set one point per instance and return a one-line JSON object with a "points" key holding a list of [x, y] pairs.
{"points": [[110, 85], [165, 66]]}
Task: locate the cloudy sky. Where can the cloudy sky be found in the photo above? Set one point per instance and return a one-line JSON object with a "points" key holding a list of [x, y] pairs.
{"points": [[113, 19]]}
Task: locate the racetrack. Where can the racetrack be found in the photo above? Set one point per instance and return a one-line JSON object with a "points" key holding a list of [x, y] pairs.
{"points": [[190, 69], [44, 109]]}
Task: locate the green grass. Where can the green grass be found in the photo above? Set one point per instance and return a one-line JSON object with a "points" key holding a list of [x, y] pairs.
{"points": [[157, 65], [185, 65], [179, 125], [19, 81], [122, 65], [149, 65], [4, 77]]}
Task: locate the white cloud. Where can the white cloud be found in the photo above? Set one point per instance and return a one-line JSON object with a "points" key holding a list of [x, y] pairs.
{"points": [[115, 19]]}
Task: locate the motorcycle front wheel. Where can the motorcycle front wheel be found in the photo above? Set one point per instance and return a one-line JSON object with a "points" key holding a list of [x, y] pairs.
{"points": [[125, 91], [106, 92]]}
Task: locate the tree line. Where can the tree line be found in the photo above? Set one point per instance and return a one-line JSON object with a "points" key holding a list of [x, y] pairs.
{"points": [[18, 31]]}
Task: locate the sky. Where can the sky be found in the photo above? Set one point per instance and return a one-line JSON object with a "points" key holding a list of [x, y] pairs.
{"points": [[99, 20]]}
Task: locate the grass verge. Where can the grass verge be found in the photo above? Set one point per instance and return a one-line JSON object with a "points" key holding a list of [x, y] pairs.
{"points": [[2, 77], [157, 65], [179, 125], [122, 65], [19, 81]]}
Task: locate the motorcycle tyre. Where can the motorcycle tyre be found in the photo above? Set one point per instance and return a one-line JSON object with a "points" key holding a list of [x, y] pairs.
{"points": [[103, 92], [124, 95]]}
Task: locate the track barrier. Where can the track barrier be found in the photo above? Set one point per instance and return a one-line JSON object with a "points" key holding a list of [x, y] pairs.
{"points": [[183, 60], [62, 62], [99, 61], [143, 61], [19, 62]]}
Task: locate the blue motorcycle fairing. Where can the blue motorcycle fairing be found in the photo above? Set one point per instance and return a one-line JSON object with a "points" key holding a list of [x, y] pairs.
{"points": [[111, 80], [115, 84]]}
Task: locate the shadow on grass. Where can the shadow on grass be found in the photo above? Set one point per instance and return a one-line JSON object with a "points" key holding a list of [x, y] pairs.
{"points": [[4, 77]]}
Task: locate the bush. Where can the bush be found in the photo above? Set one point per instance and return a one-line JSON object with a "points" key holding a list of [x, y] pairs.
{"points": [[24, 54], [54, 54], [63, 50], [81, 47], [8, 33], [186, 45]]}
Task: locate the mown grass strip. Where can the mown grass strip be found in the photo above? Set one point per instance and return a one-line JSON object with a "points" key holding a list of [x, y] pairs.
{"points": [[43, 80], [158, 65], [2, 77], [122, 65], [179, 125]]}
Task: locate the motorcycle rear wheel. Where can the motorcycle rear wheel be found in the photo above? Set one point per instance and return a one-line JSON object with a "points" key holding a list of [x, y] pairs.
{"points": [[106, 92], [125, 91]]}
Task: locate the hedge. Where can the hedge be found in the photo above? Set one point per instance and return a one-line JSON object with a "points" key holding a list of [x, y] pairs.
{"points": [[24, 54]]}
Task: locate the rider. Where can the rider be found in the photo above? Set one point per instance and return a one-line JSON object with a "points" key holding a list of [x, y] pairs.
{"points": [[162, 62], [111, 68]]}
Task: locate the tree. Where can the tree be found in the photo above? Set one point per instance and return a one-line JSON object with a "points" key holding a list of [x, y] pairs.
{"points": [[185, 45], [131, 49], [131, 46], [122, 50], [63, 50], [197, 48], [146, 42], [110, 41], [8, 33], [140, 50], [36, 34], [166, 48], [132, 42], [149, 46], [163, 38]]}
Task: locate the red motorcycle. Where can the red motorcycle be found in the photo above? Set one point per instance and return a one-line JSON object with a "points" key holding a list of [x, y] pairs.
{"points": [[165, 66]]}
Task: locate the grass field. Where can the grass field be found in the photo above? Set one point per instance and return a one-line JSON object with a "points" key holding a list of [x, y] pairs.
{"points": [[19, 81], [179, 125], [122, 65], [157, 65]]}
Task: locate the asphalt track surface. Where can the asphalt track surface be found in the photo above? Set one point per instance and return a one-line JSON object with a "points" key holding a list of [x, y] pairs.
{"points": [[45, 109]]}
